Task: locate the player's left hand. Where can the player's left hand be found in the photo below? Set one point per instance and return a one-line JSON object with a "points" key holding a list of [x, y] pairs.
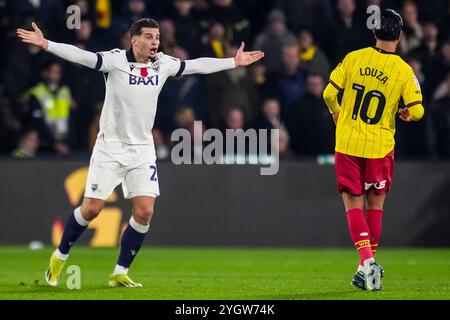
{"points": [[335, 117], [245, 58], [404, 114]]}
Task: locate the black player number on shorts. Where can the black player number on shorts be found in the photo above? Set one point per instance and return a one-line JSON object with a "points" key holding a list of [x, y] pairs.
{"points": [[153, 177], [362, 103]]}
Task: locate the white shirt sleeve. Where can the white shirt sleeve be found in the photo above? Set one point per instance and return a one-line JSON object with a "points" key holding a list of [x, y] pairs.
{"points": [[208, 65], [177, 67], [73, 54], [109, 60]]}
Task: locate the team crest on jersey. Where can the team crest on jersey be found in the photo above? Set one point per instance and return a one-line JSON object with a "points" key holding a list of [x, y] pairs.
{"points": [[155, 66]]}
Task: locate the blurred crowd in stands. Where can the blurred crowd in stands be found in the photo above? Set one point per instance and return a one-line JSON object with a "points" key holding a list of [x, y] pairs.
{"points": [[48, 106]]}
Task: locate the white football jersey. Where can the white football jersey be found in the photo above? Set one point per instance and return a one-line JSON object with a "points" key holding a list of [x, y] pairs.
{"points": [[132, 91]]}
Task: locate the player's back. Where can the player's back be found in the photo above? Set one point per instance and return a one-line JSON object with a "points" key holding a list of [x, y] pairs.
{"points": [[373, 81]]}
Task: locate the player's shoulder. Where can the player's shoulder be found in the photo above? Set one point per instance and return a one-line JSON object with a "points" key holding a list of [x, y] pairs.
{"points": [[402, 65], [359, 53], [117, 56], [113, 52], [161, 56], [351, 56]]}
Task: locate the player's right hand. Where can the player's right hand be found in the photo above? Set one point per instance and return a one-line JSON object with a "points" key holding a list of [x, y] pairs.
{"points": [[404, 114], [33, 37]]}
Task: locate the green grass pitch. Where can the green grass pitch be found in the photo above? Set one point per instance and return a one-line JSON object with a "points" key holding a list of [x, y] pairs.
{"points": [[229, 273]]}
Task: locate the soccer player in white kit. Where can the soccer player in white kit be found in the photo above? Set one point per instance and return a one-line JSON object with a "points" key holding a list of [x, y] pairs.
{"points": [[124, 152]]}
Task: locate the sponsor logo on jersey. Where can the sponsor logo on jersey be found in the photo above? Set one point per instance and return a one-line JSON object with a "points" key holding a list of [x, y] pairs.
{"points": [[136, 80]]}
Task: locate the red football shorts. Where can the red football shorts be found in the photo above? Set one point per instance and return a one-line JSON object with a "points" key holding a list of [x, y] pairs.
{"points": [[357, 175]]}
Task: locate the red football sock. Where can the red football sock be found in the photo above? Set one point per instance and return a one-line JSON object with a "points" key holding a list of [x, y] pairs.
{"points": [[359, 231], [374, 222]]}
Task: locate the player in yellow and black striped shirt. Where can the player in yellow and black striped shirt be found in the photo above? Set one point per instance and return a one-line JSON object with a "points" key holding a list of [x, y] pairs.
{"points": [[373, 82]]}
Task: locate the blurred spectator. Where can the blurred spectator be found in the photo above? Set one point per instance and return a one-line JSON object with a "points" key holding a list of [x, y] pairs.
{"points": [[270, 118], [346, 33], [134, 10], [273, 39], [417, 66], [444, 69], [258, 73], [201, 14], [83, 36], [161, 147], [87, 11], [231, 88], [178, 92], [168, 40], [28, 145], [237, 27], [444, 25], [50, 14], [412, 29], [312, 59], [187, 30], [234, 119], [213, 43], [87, 91], [290, 83], [413, 139], [125, 39], [22, 70], [307, 14], [310, 124], [429, 54], [48, 107], [440, 116]]}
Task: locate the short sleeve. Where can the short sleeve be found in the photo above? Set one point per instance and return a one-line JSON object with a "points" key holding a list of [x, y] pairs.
{"points": [[412, 93], [108, 60], [338, 76], [174, 66]]}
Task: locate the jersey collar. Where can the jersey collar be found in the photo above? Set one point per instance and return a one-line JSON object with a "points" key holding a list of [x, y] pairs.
{"points": [[383, 51], [132, 58]]}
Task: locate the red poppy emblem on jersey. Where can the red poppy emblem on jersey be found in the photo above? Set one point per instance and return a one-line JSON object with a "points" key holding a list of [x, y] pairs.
{"points": [[144, 72]]}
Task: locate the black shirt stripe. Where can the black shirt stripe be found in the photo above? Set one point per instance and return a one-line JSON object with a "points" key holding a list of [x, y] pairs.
{"points": [[99, 63], [180, 71]]}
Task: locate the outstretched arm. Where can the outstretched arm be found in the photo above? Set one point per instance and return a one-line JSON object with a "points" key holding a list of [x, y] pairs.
{"points": [[210, 65], [64, 51]]}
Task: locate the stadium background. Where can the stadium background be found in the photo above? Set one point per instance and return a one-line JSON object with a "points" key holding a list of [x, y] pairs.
{"points": [[43, 165]]}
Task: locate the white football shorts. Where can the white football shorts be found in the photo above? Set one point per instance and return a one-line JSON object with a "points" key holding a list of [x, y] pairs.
{"points": [[113, 163]]}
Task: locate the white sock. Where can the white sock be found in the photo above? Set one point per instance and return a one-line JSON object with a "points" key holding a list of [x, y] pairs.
{"points": [[361, 268], [79, 217], [61, 255], [141, 228], [120, 270]]}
